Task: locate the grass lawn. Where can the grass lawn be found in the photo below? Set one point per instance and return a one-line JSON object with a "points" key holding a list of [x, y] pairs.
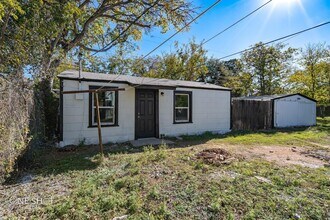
{"points": [[170, 183]]}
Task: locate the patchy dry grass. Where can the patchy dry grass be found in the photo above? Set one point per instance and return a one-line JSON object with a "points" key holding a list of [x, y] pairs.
{"points": [[172, 184], [318, 135]]}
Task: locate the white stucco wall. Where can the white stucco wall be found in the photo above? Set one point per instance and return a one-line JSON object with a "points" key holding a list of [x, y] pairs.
{"points": [[76, 115], [210, 112], [294, 111]]}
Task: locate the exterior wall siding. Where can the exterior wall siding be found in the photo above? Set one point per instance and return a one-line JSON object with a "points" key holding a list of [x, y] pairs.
{"points": [[76, 115], [294, 111], [210, 112]]}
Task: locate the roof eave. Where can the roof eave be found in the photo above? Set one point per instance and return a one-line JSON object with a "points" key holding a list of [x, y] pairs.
{"points": [[142, 85]]}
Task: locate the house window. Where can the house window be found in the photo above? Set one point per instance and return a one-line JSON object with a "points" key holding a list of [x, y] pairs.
{"points": [[108, 105], [182, 107]]}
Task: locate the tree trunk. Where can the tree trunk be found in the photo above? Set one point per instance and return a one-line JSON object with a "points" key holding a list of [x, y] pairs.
{"points": [[49, 103], [313, 77]]}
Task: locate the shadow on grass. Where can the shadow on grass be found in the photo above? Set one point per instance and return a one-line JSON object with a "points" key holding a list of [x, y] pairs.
{"points": [[50, 161], [323, 124], [209, 135], [45, 162]]}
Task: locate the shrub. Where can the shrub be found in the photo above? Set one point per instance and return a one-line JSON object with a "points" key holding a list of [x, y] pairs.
{"points": [[16, 101]]}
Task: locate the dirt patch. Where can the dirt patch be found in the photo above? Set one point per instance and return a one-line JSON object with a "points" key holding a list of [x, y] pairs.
{"points": [[217, 156], [319, 154], [284, 156]]}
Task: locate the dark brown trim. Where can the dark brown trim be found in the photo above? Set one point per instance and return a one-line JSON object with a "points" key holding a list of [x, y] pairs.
{"points": [[90, 108], [152, 87], [190, 106], [103, 126], [61, 110], [93, 90], [231, 112], [156, 93], [198, 87], [135, 115], [143, 86], [273, 111], [95, 80], [157, 112]]}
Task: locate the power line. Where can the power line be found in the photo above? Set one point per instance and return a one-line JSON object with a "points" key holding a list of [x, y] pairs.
{"points": [[221, 32], [109, 45], [278, 39], [178, 31], [243, 18], [269, 42]]}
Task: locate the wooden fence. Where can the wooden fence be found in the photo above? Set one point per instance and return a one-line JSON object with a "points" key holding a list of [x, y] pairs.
{"points": [[323, 111], [251, 114]]}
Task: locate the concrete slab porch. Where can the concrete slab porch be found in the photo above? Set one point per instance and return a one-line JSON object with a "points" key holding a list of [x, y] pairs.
{"points": [[150, 141]]}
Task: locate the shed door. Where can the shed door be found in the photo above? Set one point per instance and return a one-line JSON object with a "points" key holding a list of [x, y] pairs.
{"points": [[145, 114], [289, 113]]}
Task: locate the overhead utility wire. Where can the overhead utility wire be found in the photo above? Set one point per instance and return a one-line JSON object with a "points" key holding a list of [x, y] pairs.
{"points": [[269, 42], [278, 39], [178, 31], [109, 45], [243, 18], [186, 25], [224, 30], [128, 27]]}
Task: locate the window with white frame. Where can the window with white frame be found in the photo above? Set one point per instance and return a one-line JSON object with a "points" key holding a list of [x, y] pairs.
{"points": [[182, 107]]}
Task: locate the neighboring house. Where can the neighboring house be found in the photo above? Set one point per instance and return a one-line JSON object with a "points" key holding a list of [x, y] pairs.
{"points": [[273, 111], [147, 108]]}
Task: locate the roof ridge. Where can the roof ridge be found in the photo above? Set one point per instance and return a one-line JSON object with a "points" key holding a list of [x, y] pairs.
{"points": [[137, 80]]}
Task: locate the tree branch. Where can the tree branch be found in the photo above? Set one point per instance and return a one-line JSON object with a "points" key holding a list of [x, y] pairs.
{"points": [[127, 21]]}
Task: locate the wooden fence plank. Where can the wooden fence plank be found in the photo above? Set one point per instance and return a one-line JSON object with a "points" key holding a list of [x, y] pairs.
{"points": [[251, 115]]}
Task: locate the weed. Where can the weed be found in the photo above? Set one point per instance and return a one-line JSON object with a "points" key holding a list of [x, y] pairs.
{"points": [[125, 184], [163, 211], [82, 142], [154, 193]]}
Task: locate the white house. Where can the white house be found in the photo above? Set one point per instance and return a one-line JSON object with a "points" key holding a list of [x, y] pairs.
{"points": [[148, 107]]}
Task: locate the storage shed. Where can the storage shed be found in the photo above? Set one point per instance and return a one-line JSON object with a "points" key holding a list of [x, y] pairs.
{"points": [[273, 111]]}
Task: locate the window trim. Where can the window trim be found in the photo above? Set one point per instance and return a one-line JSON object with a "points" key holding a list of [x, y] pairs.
{"points": [[91, 124], [190, 103]]}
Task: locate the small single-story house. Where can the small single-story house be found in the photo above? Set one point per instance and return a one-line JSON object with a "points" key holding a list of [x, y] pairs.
{"points": [[273, 111], [148, 107]]}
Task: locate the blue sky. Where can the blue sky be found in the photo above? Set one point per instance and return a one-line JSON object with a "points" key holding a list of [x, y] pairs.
{"points": [[279, 18]]}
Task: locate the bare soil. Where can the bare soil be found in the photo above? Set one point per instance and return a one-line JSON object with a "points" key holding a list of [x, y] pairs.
{"points": [[215, 156], [281, 155], [286, 156]]}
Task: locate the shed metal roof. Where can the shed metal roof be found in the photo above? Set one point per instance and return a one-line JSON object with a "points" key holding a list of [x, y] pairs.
{"points": [[134, 80], [271, 97]]}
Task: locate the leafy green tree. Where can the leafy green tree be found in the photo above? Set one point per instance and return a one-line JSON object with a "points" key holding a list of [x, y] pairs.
{"points": [[216, 72], [241, 84], [229, 74], [48, 31], [313, 79], [268, 67], [36, 36], [186, 63]]}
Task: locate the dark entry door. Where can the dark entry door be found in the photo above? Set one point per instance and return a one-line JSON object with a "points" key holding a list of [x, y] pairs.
{"points": [[145, 114]]}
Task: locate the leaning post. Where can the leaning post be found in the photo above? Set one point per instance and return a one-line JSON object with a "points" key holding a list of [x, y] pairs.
{"points": [[98, 121]]}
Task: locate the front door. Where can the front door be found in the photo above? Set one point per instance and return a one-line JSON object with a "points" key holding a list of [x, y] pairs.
{"points": [[145, 114]]}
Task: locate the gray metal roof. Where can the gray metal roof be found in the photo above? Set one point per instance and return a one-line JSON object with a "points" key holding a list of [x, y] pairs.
{"points": [[134, 80], [270, 97], [260, 98]]}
